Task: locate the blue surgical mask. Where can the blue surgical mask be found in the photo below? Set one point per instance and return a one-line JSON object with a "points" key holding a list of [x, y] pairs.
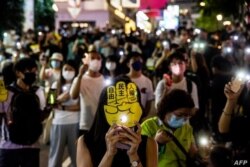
{"points": [[137, 65], [175, 122], [55, 64]]}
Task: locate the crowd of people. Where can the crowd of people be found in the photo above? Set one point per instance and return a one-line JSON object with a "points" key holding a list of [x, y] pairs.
{"points": [[141, 99]]}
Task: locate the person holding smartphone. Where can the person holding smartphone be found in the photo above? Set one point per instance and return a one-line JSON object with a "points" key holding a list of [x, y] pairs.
{"points": [[64, 129], [234, 120], [116, 123], [173, 114]]}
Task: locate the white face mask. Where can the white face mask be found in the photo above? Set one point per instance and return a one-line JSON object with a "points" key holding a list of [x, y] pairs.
{"points": [[95, 65], [68, 75], [111, 66], [175, 69]]}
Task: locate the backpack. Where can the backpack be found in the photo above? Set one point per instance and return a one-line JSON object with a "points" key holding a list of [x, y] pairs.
{"points": [[24, 116]]}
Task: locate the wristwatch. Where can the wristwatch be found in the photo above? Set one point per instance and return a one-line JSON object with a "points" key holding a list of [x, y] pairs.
{"points": [[135, 163]]}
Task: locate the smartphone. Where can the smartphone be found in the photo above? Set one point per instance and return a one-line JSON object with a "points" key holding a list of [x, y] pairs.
{"points": [[121, 145], [236, 84], [52, 95]]}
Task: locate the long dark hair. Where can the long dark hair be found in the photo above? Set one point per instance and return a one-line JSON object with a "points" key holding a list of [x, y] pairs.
{"points": [[62, 81], [95, 138]]}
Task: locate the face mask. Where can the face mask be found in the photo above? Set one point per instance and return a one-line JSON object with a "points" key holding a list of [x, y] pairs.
{"points": [[95, 65], [29, 78], [175, 122], [68, 75], [111, 66], [55, 64], [175, 69], [137, 66]]}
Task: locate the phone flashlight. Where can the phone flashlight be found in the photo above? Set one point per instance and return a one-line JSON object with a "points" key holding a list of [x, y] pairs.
{"points": [[64, 88], [121, 53], [124, 118], [240, 78], [235, 37], [197, 31], [229, 49], [158, 32], [18, 45], [203, 141], [113, 31], [165, 44], [202, 45], [247, 50], [40, 33], [108, 81], [196, 45]]}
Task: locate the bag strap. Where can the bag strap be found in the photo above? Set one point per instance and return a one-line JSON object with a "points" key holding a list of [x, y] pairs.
{"points": [[178, 144], [189, 86]]}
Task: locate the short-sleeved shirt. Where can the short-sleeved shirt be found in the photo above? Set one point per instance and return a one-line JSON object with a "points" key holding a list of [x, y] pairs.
{"points": [[90, 91], [146, 88], [171, 156], [161, 86]]}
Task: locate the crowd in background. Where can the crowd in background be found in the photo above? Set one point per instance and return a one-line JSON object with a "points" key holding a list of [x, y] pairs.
{"points": [[80, 62]]}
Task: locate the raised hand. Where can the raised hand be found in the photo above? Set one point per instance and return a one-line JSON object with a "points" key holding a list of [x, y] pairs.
{"points": [[111, 138]]}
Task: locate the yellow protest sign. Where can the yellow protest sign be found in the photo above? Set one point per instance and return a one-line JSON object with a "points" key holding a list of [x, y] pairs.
{"points": [[122, 106]]}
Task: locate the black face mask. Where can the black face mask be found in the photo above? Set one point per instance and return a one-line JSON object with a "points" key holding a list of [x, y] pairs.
{"points": [[29, 78], [137, 65]]}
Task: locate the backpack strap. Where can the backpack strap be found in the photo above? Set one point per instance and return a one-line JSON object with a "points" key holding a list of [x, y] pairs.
{"points": [[189, 85]]}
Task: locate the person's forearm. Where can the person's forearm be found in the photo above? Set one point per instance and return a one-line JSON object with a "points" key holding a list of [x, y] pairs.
{"points": [[75, 88], [225, 119], [135, 157], [42, 73], [106, 160]]}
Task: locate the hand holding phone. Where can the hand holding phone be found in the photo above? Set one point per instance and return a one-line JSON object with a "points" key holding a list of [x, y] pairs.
{"points": [[120, 144], [236, 84], [238, 81]]}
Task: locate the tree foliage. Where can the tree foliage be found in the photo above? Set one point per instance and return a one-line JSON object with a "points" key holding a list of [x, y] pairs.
{"points": [[44, 14], [230, 9], [12, 15]]}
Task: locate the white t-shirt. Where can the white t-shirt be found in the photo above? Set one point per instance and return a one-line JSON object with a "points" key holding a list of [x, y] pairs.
{"points": [[146, 89], [90, 91], [52, 75], [62, 117], [160, 88]]}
